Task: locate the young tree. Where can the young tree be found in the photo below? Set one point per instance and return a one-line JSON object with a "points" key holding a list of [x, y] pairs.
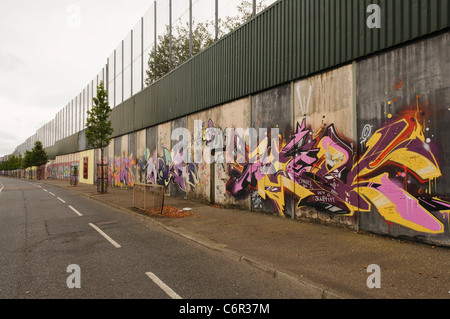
{"points": [[38, 155], [38, 158], [27, 161], [20, 161], [99, 127]]}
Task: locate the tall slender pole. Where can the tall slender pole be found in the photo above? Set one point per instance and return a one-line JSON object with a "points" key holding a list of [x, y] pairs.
{"points": [[190, 28], [170, 34], [123, 60], [131, 62], [156, 41], [217, 20], [142, 53], [254, 8]]}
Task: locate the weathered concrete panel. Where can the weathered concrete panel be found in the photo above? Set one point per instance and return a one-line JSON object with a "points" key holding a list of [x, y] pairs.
{"points": [[117, 147], [124, 145], [140, 143], [324, 104], [177, 165], [272, 109], [109, 150], [197, 124], [326, 99], [141, 159], [208, 132], [132, 151], [151, 140], [147, 158], [404, 114], [161, 174], [233, 115]]}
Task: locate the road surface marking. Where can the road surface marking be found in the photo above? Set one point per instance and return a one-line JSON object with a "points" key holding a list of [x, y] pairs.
{"points": [[172, 294], [45, 190], [114, 243], [51, 193], [2, 188], [77, 212], [62, 200]]}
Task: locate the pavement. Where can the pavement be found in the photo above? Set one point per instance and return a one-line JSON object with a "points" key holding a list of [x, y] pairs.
{"points": [[326, 261]]}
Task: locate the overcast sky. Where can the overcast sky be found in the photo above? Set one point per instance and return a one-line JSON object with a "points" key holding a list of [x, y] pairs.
{"points": [[51, 49], [46, 59]]}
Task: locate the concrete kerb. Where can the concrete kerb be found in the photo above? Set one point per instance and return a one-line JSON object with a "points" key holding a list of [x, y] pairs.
{"points": [[312, 288]]}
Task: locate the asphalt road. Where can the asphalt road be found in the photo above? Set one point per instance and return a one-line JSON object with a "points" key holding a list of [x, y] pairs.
{"points": [[53, 241]]}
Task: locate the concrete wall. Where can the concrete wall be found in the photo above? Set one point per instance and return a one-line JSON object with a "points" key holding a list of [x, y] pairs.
{"points": [[325, 104], [207, 131], [363, 145], [61, 167]]}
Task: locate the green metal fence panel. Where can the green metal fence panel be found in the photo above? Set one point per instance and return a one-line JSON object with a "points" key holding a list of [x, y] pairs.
{"points": [[292, 39]]}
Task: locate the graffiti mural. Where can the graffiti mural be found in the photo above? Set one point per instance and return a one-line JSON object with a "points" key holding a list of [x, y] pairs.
{"points": [[326, 173], [164, 170], [60, 171], [121, 171]]}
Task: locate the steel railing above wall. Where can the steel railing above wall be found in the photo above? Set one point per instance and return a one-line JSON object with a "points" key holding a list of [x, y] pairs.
{"points": [[290, 40]]}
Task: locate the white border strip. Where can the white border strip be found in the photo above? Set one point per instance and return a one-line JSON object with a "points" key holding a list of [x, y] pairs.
{"points": [[77, 212], [62, 200], [172, 294], [114, 243]]}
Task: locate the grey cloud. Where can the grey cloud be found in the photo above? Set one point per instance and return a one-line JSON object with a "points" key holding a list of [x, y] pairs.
{"points": [[10, 62]]}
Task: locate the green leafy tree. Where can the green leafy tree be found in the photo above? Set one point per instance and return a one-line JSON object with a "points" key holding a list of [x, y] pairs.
{"points": [[27, 161], [162, 62], [11, 164], [98, 125], [38, 155], [20, 161]]}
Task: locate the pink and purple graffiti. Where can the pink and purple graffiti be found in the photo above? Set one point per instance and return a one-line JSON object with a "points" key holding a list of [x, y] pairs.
{"points": [[326, 173]]}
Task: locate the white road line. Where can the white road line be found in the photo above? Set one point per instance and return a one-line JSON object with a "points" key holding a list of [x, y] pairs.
{"points": [[172, 294], [51, 193], [77, 212], [3, 186], [113, 242], [62, 200], [45, 190]]}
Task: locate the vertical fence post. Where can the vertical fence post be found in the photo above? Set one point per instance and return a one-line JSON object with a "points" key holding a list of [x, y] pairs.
{"points": [[216, 19], [142, 53], [131, 62], [190, 28], [170, 34], [122, 75], [145, 197], [156, 40]]}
